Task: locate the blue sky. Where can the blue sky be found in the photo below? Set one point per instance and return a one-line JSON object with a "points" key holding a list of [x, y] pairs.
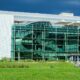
{"points": [[42, 6]]}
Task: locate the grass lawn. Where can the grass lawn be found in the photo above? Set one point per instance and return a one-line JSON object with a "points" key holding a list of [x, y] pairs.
{"points": [[39, 71]]}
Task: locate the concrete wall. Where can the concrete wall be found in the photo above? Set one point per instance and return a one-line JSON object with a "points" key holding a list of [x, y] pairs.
{"points": [[6, 21]]}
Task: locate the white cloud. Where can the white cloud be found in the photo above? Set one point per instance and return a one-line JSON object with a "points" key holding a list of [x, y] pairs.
{"points": [[73, 2], [76, 2]]}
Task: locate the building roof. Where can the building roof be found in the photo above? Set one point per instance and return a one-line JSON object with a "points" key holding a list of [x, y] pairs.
{"points": [[62, 16]]}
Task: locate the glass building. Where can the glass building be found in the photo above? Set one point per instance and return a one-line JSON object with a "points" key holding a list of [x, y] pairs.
{"points": [[42, 40], [41, 36]]}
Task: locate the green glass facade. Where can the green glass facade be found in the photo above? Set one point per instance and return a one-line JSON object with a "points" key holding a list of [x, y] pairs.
{"points": [[42, 40]]}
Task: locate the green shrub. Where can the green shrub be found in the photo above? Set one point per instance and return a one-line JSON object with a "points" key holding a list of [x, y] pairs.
{"points": [[5, 59], [29, 60], [14, 64]]}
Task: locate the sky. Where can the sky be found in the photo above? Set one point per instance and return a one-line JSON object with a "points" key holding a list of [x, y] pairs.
{"points": [[42, 6]]}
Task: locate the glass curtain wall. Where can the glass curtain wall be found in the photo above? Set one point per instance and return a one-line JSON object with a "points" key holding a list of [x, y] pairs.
{"points": [[42, 40]]}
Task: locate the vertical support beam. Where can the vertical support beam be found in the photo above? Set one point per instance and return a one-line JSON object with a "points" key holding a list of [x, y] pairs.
{"points": [[72, 58], [66, 58], [78, 41], [65, 42], [43, 42], [32, 40], [43, 45], [18, 56], [77, 58], [13, 43], [65, 45], [44, 37], [78, 44], [56, 45]]}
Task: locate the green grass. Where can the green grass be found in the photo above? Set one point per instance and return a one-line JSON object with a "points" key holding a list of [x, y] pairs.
{"points": [[38, 71]]}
